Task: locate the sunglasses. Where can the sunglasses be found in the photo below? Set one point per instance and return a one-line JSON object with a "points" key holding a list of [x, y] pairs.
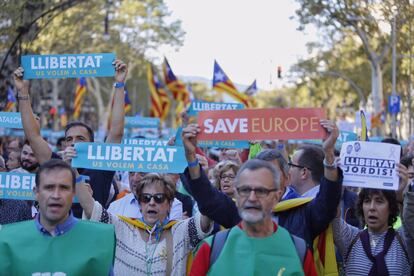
{"points": [[158, 198]]}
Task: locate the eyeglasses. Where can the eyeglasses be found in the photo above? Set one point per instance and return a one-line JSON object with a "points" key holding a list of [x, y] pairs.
{"points": [[260, 192], [297, 166], [146, 198], [230, 177]]}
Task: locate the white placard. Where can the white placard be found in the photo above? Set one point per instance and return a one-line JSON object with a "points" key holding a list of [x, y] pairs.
{"points": [[370, 165]]}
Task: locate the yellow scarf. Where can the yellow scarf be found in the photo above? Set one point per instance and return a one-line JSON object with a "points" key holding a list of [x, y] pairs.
{"points": [[323, 245]]}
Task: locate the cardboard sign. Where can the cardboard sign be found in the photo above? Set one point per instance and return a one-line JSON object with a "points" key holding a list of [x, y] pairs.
{"points": [[262, 124], [142, 122], [370, 165], [213, 144], [68, 66], [197, 106], [11, 120], [119, 157]]}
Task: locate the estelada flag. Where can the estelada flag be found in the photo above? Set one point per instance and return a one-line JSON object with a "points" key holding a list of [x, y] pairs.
{"points": [[177, 87], [222, 83], [160, 103]]}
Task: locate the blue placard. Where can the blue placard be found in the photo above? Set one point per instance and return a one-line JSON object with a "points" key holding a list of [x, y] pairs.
{"points": [[145, 142], [68, 66], [120, 157], [11, 120], [17, 186], [142, 122], [15, 132], [197, 106], [345, 136], [213, 144], [394, 104]]}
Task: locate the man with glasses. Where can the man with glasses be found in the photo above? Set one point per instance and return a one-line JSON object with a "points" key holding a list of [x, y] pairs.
{"points": [[305, 217], [264, 247]]}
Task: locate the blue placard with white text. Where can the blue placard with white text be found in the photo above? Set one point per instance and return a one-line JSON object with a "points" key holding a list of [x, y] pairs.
{"points": [[121, 157], [142, 122], [18, 186], [145, 142], [197, 106], [11, 120], [68, 66]]}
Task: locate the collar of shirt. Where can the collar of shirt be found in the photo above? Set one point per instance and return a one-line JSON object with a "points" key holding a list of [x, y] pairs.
{"points": [[60, 229], [312, 192], [133, 198]]}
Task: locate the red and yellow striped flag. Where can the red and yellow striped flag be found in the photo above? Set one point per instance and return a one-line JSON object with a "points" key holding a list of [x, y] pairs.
{"points": [[222, 83], [160, 103], [80, 91]]}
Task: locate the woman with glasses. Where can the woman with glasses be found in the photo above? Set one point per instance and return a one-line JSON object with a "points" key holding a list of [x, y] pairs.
{"points": [[379, 249], [225, 173], [153, 244]]}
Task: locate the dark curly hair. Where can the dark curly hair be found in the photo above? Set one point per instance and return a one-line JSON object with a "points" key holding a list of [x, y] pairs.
{"points": [[389, 195]]}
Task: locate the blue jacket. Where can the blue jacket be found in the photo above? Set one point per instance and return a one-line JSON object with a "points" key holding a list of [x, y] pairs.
{"points": [[306, 221]]}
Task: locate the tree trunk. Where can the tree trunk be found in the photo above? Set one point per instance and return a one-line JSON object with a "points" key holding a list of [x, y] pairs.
{"points": [[377, 93]]}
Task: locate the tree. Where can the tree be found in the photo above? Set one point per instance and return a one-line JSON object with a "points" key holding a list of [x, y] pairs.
{"points": [[132, 29], [365, 19]]}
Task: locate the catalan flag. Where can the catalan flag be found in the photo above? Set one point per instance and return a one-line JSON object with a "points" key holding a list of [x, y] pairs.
{"points": [[177, 87], [80, 91], [11, 100], [251, 90], [223, 84], [127, 104], [160, 103]]}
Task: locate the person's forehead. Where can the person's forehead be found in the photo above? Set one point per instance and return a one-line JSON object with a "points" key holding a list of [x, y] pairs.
{"points": [[153, 187], [49, 176], [27, 148], [77, 131], [256, 178]]}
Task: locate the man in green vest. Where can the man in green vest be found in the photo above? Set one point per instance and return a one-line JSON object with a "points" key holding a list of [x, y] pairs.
{"points": [[257, 245], [55, 242]]}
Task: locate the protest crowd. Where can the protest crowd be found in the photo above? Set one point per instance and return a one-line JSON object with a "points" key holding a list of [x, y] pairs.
{"points": [[175, 206]]}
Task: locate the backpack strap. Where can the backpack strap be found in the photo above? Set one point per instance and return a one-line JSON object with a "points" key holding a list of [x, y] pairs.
{"points": [[350, 247], [217, 244], [300, 246]]}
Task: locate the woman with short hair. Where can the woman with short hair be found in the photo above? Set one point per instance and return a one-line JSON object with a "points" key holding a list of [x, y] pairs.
{"points": [[225, 173], [153, 244], [379, 249]]}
